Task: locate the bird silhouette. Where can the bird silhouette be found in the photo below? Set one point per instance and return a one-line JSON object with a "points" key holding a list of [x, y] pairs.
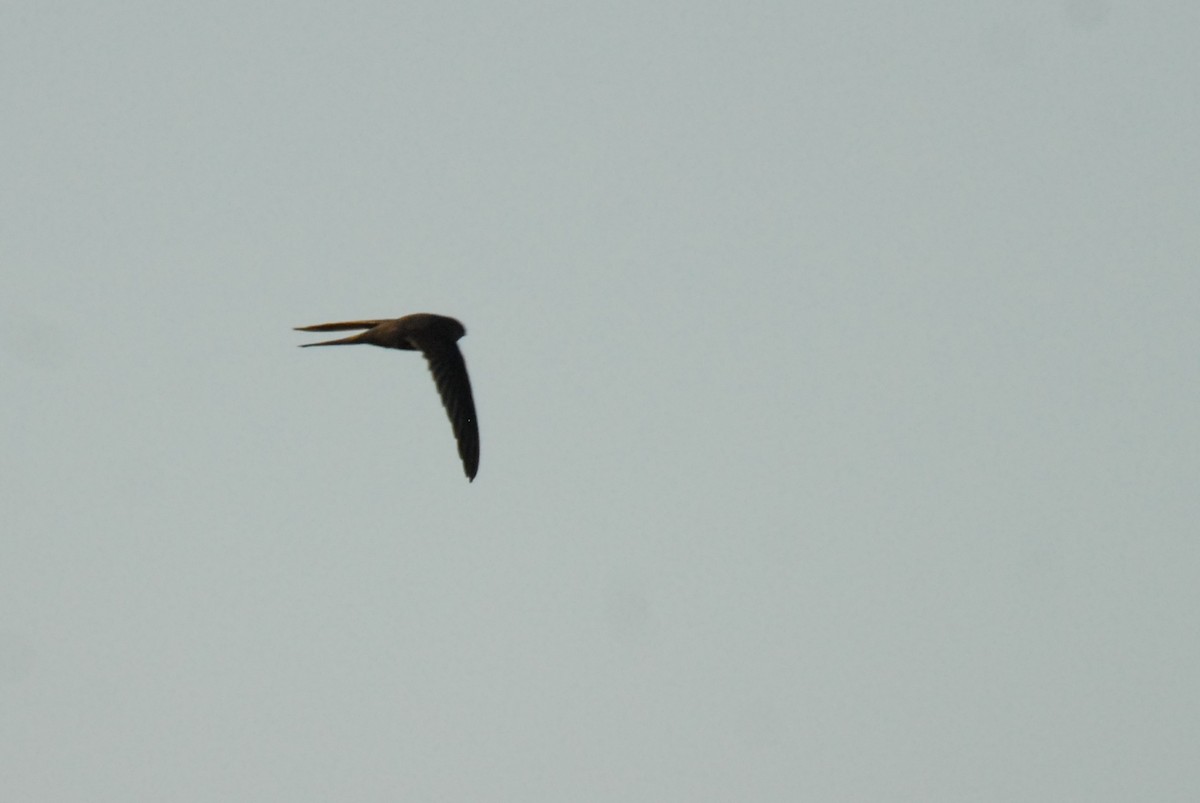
{"points": [[436, 337]]}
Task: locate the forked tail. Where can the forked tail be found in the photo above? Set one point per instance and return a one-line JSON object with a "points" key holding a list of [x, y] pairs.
{"points": [[338, 327]]}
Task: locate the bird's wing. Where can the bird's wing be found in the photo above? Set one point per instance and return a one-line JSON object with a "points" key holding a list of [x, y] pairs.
{"points": [[337, 327], [450, 374]]}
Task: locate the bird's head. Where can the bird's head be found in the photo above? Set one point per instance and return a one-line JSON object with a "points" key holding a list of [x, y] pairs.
{"points": [[444, 327]]}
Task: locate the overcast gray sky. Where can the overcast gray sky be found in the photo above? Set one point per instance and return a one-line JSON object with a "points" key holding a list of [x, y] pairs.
{"points": [[836, 367]]}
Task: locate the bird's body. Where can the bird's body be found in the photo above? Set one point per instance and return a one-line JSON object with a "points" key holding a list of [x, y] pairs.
{"points": [[436, 337]]}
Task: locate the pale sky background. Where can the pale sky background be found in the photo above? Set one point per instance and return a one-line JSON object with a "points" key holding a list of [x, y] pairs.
{"points": [[837, 373]]}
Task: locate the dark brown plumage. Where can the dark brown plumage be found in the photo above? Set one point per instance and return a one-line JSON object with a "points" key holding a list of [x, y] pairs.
{"points": [[436, 337]]}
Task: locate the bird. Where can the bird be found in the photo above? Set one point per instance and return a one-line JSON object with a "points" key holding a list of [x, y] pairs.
{"points": [[435, 336]]}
